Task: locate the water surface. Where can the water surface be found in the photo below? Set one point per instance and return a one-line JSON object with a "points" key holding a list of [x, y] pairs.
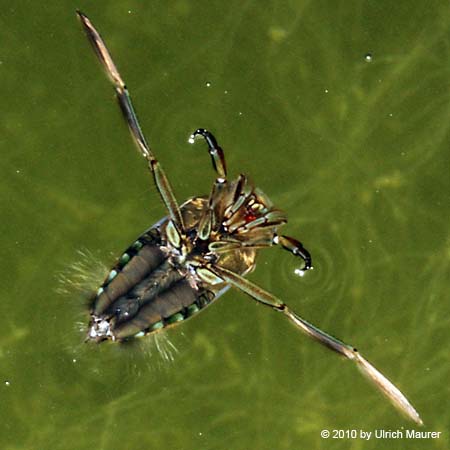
{"points": [[339, 111]]}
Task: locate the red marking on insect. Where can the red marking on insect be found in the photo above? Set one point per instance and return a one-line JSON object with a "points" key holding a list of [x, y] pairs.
{"points": [[250, 216]]}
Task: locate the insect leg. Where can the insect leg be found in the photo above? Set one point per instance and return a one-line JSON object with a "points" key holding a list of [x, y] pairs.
{"points": [[208, 221], [379, 380], [123, 96], [296, 248], [216, 152]]}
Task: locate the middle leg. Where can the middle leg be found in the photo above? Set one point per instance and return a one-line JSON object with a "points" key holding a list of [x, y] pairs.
{"points": [[216, 152], [296, 248], [208, 221]]}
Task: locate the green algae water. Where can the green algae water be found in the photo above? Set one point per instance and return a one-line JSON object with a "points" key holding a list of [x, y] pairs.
{"points": [[339, 112]]}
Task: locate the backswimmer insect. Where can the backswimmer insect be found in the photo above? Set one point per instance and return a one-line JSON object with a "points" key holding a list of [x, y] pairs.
{"points": [[204, 246]]}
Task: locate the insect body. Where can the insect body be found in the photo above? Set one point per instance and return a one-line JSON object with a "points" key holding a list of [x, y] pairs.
{"points": [[189, 258], [164, 278]]}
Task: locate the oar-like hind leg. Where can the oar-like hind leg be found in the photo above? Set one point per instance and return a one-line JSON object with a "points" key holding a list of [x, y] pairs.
{"points": [[383, 384], [123, 96]]}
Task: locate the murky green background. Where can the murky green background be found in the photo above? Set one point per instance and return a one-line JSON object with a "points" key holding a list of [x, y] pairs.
{"points": [[357, 153]]}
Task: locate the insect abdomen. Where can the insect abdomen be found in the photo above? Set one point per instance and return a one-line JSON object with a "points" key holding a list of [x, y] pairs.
{"points": [[140, 259], [143, 293], [176, 303]]}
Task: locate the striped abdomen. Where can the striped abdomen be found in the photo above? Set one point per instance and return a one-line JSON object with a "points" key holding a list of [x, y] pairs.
{"points": [[143, 293]]}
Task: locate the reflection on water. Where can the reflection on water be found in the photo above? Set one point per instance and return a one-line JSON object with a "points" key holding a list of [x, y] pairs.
{"points": [[355, 151]]}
